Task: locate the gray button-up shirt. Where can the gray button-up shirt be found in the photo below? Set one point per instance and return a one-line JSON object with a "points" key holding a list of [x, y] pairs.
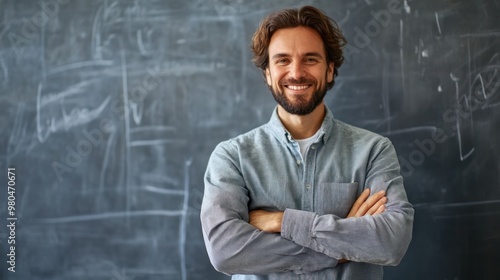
{"points": [[263, 169]]}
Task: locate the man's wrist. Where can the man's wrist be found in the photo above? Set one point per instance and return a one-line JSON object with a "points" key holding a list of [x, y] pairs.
{"points": [[297, 225], [278, 220]]}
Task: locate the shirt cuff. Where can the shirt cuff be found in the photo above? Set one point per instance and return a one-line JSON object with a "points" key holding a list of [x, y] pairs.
{"points": [[297, 226]]}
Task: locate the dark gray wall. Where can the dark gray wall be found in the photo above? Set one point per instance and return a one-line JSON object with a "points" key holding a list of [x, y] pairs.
{"points": [[110, 110]]}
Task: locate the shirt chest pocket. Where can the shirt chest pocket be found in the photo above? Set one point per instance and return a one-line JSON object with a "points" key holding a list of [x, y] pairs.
{"points": [[335, 198]]}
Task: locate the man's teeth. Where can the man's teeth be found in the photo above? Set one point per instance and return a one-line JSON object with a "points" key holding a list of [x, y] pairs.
{"points": [[292, 87]]}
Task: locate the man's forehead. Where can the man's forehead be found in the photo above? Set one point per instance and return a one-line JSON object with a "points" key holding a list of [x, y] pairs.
{"points": [[297, 40]]}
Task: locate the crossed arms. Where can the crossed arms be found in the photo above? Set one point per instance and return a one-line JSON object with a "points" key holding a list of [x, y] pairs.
{"points": [[364, 205], [377, 230]]}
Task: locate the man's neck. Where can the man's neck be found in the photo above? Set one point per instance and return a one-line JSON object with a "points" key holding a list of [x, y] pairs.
{"points": [[302, 127]]}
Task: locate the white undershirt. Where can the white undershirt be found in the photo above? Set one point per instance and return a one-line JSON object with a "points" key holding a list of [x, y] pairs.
{"points": [[304, 144]]}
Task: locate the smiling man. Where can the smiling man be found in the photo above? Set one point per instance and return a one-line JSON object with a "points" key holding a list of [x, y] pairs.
{"points": [[291, 199]]}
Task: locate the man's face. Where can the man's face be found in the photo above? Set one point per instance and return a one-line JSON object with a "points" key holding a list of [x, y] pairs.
{"points": [[298, 72]]}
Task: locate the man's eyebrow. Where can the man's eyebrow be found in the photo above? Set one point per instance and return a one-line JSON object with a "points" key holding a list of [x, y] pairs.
{"points": [[280, 55], [309, 54], [314, 54]]}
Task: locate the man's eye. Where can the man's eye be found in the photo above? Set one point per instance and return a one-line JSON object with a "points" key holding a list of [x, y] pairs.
{"points": [[282, 61], [311, 60]]}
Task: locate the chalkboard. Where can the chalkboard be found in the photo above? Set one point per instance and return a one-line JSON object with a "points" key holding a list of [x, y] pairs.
{"points": [[110, 110]]}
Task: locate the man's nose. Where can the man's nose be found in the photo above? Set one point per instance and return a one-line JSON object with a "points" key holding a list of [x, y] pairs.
{"points": [[297, 70]]}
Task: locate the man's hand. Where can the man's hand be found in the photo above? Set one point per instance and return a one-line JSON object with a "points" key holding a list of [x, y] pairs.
{"points": [[266, 221], [368, 205], [364, 205]]}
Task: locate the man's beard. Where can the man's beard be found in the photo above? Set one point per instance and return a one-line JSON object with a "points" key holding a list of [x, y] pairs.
{"points": [[300, 105]]}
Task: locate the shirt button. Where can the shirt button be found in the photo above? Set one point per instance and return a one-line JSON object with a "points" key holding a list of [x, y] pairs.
{"points": [[313, 147], [308, 186], [298, 162]]}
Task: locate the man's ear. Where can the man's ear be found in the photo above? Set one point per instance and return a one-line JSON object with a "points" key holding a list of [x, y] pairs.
{"points": [[267, 75], [329, 72]]}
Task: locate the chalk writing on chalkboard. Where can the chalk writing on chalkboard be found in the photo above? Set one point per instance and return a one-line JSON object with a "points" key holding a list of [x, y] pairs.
{"points": [[110, 110]]}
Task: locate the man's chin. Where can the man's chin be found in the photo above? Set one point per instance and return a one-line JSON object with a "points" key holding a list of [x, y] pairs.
{"points": [[298, 109], [296, 104], [298, 93]]}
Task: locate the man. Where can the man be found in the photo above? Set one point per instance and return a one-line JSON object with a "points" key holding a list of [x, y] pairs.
{"points": [[289, 200]]}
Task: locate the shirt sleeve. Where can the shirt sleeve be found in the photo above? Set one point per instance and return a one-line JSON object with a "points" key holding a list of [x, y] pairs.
{"points": [[379, 239], [233, 245]]}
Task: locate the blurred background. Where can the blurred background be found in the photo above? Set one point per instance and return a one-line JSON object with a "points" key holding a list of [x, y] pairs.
{"points": [[110, 110]]}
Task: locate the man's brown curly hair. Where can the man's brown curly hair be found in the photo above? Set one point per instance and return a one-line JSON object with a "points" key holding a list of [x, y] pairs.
{"points": [[307, 16]]}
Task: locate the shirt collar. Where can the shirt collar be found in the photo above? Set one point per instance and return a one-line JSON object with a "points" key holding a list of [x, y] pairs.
{"points": [[279, 130]]}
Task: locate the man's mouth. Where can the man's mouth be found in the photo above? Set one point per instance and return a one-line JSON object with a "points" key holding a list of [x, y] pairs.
{"points": [[298, 87]]}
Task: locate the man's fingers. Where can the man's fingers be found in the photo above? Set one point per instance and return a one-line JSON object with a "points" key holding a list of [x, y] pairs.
{"points": [[361, 199], [376, 206], [371, 201], [380, 210]]}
